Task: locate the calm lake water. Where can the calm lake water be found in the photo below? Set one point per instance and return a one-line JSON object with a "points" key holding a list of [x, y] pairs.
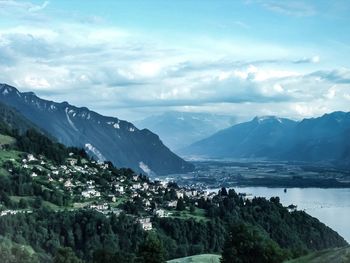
{"points": [[330, 206]]}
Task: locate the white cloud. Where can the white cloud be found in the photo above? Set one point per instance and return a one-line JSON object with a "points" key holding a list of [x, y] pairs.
{"points": [[242, 24], [261, 74], [36, 8], [292, 8], [21, 9], [313, 59], [118, 71], [331, 93], [147, 69], [35, 82]]}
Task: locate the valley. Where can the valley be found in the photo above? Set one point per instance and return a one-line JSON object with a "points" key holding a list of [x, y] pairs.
{"points": [[215, 174]]}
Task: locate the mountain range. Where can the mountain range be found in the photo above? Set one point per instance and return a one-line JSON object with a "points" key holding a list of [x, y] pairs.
{"points": [[104, 138], [322, 139], [180, 129]]}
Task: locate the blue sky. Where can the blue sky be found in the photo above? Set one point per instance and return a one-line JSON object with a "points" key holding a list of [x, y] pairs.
{"points": [[131, 59]]}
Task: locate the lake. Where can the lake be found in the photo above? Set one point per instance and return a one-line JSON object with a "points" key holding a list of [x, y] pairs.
{"points": [[330, 206]]}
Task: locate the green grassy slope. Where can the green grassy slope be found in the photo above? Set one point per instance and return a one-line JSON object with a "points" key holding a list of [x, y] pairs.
{"points": [[4, 139], [205, 258], [335, 255]]}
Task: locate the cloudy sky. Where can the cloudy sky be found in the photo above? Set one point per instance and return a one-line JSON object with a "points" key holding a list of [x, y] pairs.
{"points": [[131, 59]]}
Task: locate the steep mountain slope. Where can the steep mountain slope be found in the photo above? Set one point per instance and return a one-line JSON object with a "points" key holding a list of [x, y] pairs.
{"points": [[311, 140], [323, 138], [14, 120], [105, 138], [180, 129], [244, 140]]}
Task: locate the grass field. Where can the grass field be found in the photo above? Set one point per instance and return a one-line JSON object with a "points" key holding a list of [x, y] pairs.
{"points": [[335, 255], [5, 156], [31, 199], [8, 155], [5, 242], [198, 215], [205, 258], [4, 139]]}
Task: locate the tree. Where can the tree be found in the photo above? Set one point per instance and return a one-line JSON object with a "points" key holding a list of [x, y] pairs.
{"points": [[247, 244], [180, 206], [38, 202], [66, 255], [103, 256], [192, 208], [223, 191], [151, 251]]}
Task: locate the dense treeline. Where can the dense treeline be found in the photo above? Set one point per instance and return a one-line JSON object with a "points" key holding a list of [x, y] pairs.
{"points": [[83, 231], [36, 143], [263, 225], [32, 140], [248, 244], [11, 252], [21, 184], [296, 230], [182, 238], [288, 234]]}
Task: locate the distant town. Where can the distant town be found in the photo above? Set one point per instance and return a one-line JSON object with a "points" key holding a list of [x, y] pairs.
{"points": [[215, 174]]}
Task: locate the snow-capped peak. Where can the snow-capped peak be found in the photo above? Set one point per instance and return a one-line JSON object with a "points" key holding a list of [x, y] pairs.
{"points": [[262, 119]]}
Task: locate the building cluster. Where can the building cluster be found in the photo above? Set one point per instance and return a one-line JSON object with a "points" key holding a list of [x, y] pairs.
{"points": [[93, 185]]}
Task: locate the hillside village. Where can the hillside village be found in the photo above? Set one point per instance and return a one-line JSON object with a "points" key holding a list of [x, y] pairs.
{"points": [[86, 184]]}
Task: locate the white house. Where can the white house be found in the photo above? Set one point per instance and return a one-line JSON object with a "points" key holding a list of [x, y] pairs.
{"points": [[136, 186], [30, 158], [119, 188], [68, 183], [146, 223], [90, 193], [160, 213], [172, 204], [179, 194]]}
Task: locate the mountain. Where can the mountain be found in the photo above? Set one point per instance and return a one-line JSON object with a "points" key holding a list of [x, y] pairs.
{"points": [[323, 138], [180, 129], [245, 140], [14, 120], [105, 138], [310, 140]]}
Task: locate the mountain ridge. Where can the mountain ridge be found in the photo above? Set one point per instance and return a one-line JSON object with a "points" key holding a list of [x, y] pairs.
{"points": [[311, 140], [114, 139]]}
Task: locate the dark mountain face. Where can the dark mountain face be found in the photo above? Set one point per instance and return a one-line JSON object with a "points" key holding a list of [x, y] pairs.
{"points": [[105, 138], [180, 129], [310, 140], [323, 138], [245, 140], [10, 118]]}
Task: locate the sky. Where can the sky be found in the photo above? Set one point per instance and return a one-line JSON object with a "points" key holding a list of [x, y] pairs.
{"points": [[135, 58]]}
